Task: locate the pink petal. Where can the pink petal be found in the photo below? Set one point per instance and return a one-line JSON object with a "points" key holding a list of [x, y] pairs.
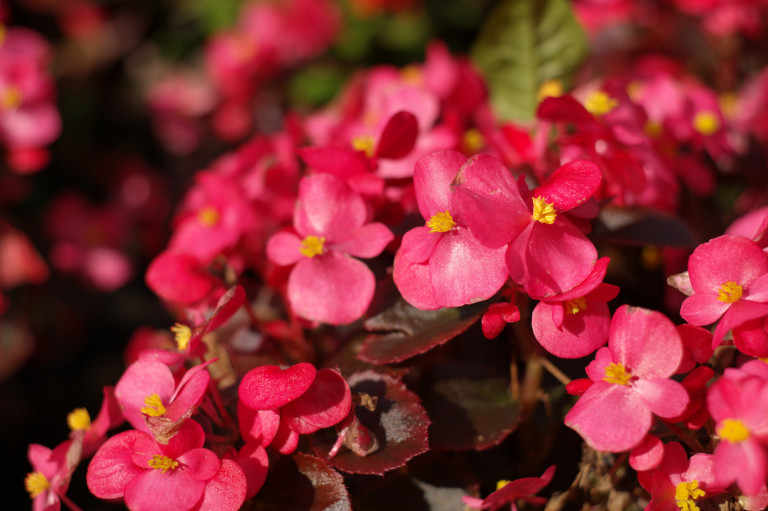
{"points": [[112, 467], [570, 185], [189, 393], [331, 288], [413, 282], [489, 201], [591, 283], [702, 309], [286, 440], [666, 398], [154, 490], [645, 341], [367, 241], [432, 178], [647, 454], [419, 243], [332, 160], [463, 271], [743, 463], [327, 207], [284, 248], [257, 426], [610, 417], [758, 290], [200, 464], [399, 136], [268, 387], [254, 461], [178, 277], [325, 403], [226, 491], [737, 314]]}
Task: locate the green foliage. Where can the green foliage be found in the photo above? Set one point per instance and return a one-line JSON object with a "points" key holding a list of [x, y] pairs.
{"points": [[522, 44]]}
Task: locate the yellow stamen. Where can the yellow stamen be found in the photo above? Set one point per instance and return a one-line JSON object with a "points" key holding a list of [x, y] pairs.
{"points": [[78, 419], [652, 129], [208, 216], [685, 494], [154, 406], [576, 305], [181, 334], [2, 33], [733, 430], [36, 483], [634, 90], [549, 89], [728, 102], [543, 211], [312, 246], [600, 103], [617, 374], [729, 292], [411, 75], [501, 484], [364, 143], [11, 98], [473, 141], [162, 463], [441, 222], [706, 123]]}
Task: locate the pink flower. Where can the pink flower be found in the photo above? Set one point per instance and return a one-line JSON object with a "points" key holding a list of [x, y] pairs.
{"points": [[179, 475], [729, 277], [52, 470], [510, 491], [442, 264], [575, 323], [630, 381], [153, 402], [678, 481], [330, 220], [738, 403]]}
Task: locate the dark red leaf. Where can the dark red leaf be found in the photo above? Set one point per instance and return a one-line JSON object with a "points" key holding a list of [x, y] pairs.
{"points": [[642, 227], [410, 331], [469, 405], [398, 422]]}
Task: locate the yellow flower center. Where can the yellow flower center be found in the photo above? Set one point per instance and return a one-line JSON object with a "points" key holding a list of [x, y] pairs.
{"points": [[473, 141], [181, 334], [11, 98], [154, 406], [617, 374], [706, 123], [36, 483], [634, 90], [543, 211], [411, 75], [600, 103], [78, 419], [685, 494], [501, 484], [549, 89], [729, 292], [733, 430], [208, 216], [312, 246], [576, 305], [441, 222], [652, 129], [364, 143], [162, 463], [728, 102]]}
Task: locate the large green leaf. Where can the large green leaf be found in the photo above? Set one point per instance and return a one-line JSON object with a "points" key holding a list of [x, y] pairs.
{"points": [[522, 44]]}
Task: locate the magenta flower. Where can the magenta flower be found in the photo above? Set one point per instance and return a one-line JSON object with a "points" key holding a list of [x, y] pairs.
{"points": [[738, 403], [678, 482], [508, 492], [729, 278], [630, 381], [151, 399], [547, 253], [442, 264], [326, 284], [575, 323], [50, 477], [179, 475]]}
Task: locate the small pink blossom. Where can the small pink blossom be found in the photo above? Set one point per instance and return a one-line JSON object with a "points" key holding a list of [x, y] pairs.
{"points": [[509, 492]]}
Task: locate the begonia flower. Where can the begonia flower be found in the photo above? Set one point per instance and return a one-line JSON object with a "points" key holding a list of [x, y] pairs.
{"points": [[92, 433], [51, 474], [630, 381], [738, 403], [179, 475], [678, 483], [508, 492], [327, 283], [729, 277], [442, 264]]}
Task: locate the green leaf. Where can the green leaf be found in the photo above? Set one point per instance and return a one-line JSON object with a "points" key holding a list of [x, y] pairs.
{"points": [[522, 44]]}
